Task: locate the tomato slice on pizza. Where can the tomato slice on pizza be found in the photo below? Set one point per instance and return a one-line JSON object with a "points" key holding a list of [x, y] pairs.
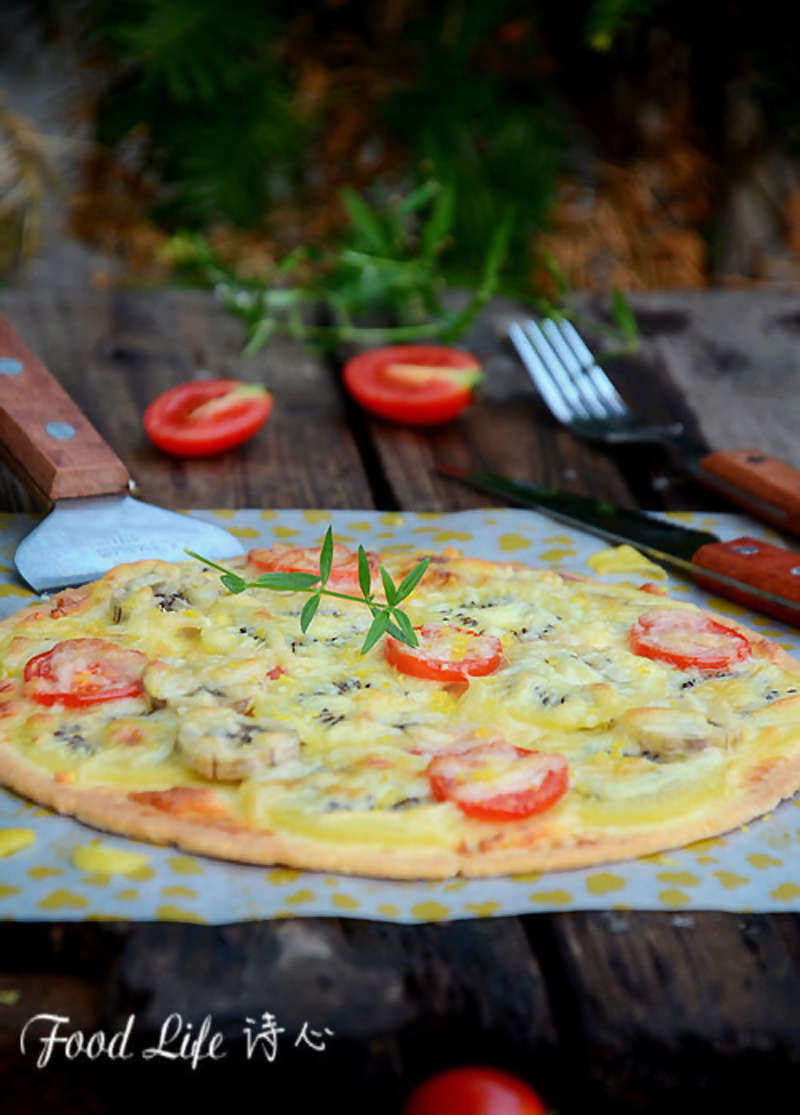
{"points": [[81, 672], [305, 559], [446, 653], [499, 782], [688, 640]]}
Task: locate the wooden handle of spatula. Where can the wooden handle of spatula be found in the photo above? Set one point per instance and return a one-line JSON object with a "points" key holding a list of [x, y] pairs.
{"points": [[48, 442]]}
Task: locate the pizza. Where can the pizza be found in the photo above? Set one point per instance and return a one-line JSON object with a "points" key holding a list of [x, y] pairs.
{"points": [[543, 721]]}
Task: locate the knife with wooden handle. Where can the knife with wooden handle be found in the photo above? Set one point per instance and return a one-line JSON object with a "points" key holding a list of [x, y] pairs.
{"points": [[751, 572]]}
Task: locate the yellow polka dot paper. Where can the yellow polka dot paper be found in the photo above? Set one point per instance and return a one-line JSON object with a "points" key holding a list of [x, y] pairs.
{"points": [[53, 867]]}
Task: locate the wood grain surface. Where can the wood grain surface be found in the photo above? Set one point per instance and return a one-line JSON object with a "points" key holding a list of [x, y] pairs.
{"points": [[605, 1012]]}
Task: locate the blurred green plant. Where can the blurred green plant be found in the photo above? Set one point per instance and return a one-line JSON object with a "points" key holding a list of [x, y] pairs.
{"points": [[480, 117], [205, 91], [605, 19], [387, 265]]}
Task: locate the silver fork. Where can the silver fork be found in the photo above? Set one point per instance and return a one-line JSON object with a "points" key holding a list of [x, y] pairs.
{"points": [[578, 392]]}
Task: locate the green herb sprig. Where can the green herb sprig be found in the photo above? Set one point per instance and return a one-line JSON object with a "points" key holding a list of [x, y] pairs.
{"points": [[386, 265], [387, 619]]}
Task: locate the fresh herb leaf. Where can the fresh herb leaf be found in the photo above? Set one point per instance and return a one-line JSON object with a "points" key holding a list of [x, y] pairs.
{"points": [[407, 632], [208, 561], [326, 556], [308, 612], [364, 573], [411, 580], [385, 619], [377, 628], [388, 586], [233, 582], [286, 582], [393, 630]]}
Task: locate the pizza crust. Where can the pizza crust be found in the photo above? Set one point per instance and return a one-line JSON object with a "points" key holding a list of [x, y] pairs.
{"points": [[537, 844]]}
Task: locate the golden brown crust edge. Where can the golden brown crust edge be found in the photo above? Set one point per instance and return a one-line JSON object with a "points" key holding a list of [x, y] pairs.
{"points": [[109, 809]]}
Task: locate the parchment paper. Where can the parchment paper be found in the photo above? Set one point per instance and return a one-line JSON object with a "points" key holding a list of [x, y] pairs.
{"points": [[756, 868]]}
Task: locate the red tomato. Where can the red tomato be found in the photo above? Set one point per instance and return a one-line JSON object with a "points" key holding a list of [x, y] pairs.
{"points": [[305, 559], [474, 1091], [445, 654], [84, 672], [206, 416], [687, 640], [416, 384], [499, 782]]}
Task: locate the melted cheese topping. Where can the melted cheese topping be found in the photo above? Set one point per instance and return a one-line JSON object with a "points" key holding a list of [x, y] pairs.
{"points": [[624, 559], [346, 739]]}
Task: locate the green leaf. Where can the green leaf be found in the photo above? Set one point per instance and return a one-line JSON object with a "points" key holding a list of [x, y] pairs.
{"points": [[625, 319], [365, 222], [206, 561], [290, 261], [377, 628], [437, 227], [286, 582], [233, 583], [411, 580], [364, 572], [326, 556], [309, 611], [493, 262], [419, 197], [408, 635], [259, 335], [388, 586], [393, 630]]}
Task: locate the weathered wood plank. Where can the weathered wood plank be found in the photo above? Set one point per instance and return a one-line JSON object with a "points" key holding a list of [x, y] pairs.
{"points": [[507, 430], [625, 1013], [360, 978], [408, 1000], [661, 1008], [115, 351], [735, 355]]}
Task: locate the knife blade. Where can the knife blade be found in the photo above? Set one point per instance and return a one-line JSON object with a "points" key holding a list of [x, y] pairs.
{"points": [[748, 570]]}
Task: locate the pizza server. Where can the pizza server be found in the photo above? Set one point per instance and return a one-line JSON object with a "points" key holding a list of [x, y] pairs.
{"points": [[754, 573], [60, 457]]}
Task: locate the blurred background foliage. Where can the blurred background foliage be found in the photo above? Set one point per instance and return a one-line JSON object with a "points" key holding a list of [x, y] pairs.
{"points": [[621, 143]]}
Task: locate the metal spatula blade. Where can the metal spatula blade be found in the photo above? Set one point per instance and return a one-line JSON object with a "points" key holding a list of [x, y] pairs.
{"points": [[62, 458], [81, 539]]}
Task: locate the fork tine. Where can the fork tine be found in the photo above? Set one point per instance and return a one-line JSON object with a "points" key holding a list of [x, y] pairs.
{"points": [[593, 369], [595, 402], [555, 370], [555, 401]]}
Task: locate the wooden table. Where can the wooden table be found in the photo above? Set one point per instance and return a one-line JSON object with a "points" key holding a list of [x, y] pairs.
{"points": [[604, 1012]]}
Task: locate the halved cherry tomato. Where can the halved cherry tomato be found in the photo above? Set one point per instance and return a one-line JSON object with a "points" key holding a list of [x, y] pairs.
{"points": [[417, 384], [445, 654], [474, 1091], [688, 640], [206, 416], [305, 559], [84, 672], [499, 782]]}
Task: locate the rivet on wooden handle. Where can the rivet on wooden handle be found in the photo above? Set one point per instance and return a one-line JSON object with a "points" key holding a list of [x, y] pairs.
{"points": [[760, 564], [765, 486], [46, 439]]}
